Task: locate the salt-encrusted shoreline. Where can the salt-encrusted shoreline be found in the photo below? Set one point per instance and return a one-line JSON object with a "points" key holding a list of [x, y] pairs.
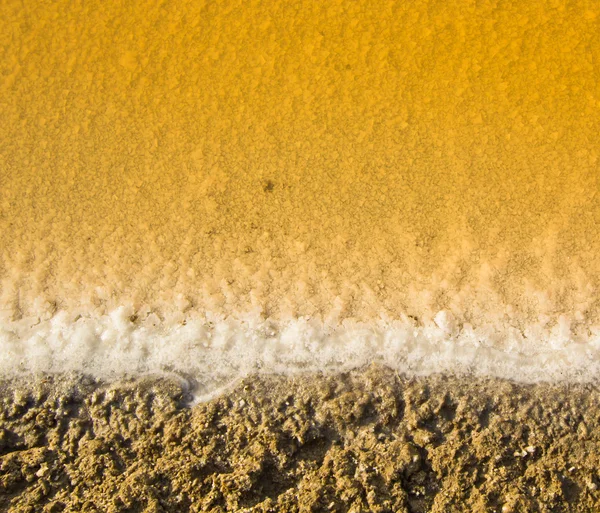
{"points": [[215, 350]]}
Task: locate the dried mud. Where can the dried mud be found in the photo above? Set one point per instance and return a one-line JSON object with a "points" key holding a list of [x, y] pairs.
{"points": [[368, 440]]}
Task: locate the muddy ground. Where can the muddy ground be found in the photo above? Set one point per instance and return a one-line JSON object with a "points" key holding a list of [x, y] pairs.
{"points": [[368, 440]]}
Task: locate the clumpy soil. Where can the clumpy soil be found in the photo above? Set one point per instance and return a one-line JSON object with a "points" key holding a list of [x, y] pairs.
{"points": [[364, 441]]}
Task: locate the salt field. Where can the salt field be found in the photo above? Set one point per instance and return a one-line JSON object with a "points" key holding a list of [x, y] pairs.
{"points": [[205, 204]]}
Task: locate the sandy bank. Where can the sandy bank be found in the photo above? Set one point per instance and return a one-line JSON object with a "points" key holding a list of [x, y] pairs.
{"points": [[362, 441]]}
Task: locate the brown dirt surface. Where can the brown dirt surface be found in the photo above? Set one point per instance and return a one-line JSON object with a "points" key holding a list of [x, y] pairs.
{"points": [[368, 440]]}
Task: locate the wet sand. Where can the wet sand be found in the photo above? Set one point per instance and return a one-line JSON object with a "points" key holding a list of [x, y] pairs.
{"points": [[368, 440]]}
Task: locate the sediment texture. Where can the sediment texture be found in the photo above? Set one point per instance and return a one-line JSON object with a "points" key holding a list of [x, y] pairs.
{"points": [[368, 440]]}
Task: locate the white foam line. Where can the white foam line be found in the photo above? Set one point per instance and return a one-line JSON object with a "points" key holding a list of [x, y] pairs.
{"points": [[214, 350]]}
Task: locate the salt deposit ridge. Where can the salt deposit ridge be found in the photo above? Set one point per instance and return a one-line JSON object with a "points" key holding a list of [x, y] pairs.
{"points": [[214, 350]]}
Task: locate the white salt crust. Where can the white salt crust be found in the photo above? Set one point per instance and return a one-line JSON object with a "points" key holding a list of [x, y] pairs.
{"points": [[214, 350]]}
